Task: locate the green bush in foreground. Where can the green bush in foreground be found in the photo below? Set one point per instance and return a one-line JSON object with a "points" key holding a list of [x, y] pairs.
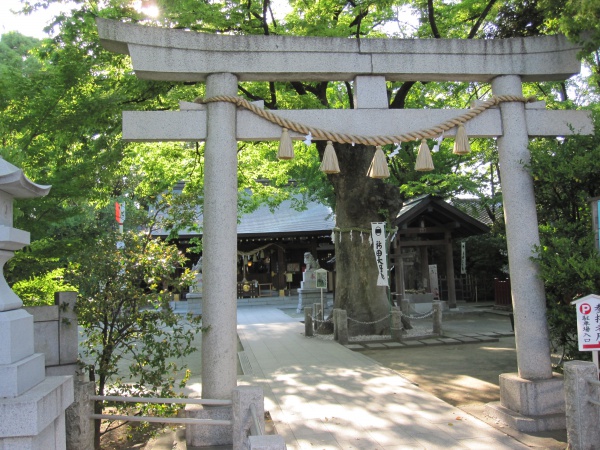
{"points": [[132, 338]]}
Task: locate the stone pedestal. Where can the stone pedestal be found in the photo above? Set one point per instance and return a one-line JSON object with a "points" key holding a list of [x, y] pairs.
{"points": [[308, 297], [420, 304], [308, 294], [530, 405], [194, 303], [36, 419], [20, 368], [32, 406], [203, 435]]}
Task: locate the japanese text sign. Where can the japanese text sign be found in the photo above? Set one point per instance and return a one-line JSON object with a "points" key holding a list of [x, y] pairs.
{"points": [[120, 212], [379, 241], [588, 322]]}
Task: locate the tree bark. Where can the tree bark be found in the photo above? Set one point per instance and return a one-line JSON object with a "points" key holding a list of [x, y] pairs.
{"points": [[360, 200]]}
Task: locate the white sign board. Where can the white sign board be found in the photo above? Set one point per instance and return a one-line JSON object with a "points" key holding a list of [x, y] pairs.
{"points": [[379, 241], [321, 278], [588, 322]]}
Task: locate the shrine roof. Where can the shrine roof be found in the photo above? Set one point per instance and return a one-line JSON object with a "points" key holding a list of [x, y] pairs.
{"points": [[282, 220], [435, 213], [286, 219]]}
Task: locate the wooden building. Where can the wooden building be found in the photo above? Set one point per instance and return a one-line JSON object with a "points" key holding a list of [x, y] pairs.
{"points": [[272, 243], [427, 227]]}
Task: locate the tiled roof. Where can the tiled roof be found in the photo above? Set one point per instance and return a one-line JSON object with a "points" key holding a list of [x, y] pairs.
{"points": [[283, 219], [433, 211], [476, 209]]}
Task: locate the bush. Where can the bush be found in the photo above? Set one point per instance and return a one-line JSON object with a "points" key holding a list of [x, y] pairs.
{"points": [[570, 267], [39, 290], [123, 307]]}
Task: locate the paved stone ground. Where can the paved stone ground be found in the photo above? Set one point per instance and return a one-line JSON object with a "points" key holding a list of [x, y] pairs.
{"points": [[306, 400]]}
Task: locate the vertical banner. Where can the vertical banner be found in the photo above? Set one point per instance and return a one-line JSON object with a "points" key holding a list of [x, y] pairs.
{"points": [[120, 213], [463, 258], [120, 218], [598, 224], [379, 247]]}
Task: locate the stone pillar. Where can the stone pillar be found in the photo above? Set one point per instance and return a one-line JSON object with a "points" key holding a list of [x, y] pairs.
{"points": [[219, 346], [522, 235], [342, 327], [532, 399], [243, 397], [582, 416], [79, 427], [334, 316], [219, 289], [308, 322], [397, 329], [437, 317]]}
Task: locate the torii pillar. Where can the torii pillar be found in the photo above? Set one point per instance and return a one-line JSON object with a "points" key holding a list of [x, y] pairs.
{"points": [[219, 341], [532, 398]]}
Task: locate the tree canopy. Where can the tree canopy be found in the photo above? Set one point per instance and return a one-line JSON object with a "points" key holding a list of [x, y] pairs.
{"points": [[62, 99]]}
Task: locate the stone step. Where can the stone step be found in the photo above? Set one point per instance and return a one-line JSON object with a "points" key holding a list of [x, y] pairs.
{"points": [[454, 339]]}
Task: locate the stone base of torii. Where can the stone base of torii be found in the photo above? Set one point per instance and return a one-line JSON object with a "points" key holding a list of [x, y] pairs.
{"points": [[531, 399]]}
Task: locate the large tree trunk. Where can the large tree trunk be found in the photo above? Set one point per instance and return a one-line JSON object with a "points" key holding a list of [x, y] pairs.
{"points": [[360, 200]]}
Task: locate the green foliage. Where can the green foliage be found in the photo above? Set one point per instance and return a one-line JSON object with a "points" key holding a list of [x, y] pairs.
{"points": [[578, 19], [565, 175], [570, 267], [132, 338], [487, 257], [62, 99], [39, 290]]}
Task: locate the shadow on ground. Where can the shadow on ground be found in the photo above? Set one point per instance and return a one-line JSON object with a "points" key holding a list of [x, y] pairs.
{"points": [[466, 375]]}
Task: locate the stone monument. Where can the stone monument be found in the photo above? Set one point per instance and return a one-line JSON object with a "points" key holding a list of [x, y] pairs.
{"points": [[309, 294], [194, 296], [32, 406]]}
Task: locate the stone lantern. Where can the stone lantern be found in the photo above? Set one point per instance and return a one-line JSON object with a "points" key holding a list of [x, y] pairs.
{"points": [[31, 405]]}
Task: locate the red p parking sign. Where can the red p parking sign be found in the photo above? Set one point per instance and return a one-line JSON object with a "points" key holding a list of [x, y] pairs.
{"points": [[588, 322]]}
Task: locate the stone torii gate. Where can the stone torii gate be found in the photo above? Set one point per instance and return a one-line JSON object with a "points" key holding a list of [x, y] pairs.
{"points": [[223, 61]]}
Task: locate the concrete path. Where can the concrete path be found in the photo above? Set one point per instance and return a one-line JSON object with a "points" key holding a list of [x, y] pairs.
{"points": [[325, 396]]}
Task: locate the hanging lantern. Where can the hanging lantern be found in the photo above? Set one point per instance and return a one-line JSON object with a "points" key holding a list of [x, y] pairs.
{"points": [[330, 161], [378, 167], [424, 162], [286, 148], [461, 141]]}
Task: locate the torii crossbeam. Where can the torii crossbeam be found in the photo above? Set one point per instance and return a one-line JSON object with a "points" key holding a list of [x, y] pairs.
{"points": [[221, 61]]}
